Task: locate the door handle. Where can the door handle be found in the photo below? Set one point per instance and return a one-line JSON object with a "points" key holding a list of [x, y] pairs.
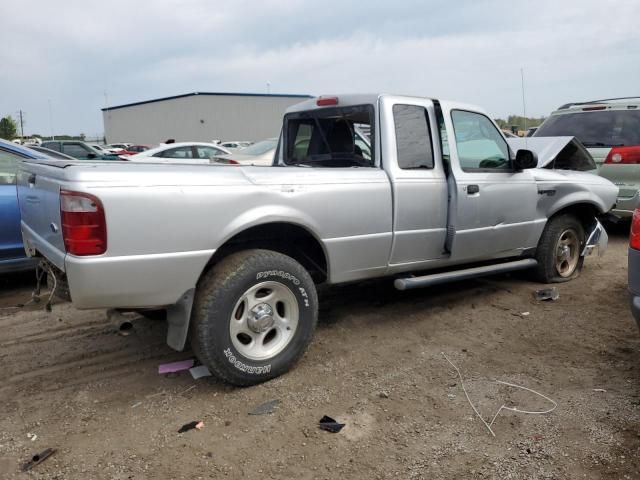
{"points": [[471, 189], [32, 179]]}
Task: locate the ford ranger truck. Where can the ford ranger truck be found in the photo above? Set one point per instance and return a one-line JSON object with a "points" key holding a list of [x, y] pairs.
{"points": [[429, 193]]}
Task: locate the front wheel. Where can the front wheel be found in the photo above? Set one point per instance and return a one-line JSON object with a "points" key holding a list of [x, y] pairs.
{"points": [[254, 316], [559, 250]]}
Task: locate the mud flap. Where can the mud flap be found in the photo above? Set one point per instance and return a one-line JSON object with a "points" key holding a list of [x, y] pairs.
{"points": [[178, 316]]}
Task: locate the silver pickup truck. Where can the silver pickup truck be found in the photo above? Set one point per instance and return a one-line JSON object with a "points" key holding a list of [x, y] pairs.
{"points": [[233, 254]]}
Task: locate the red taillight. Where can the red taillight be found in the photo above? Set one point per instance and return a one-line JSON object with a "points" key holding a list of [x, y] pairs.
{"points": [[624, 155], [634, 236], [84, 228], [325, 101]]}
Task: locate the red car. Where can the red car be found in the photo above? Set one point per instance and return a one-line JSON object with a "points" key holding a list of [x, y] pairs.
{"points": [[133, 149]]}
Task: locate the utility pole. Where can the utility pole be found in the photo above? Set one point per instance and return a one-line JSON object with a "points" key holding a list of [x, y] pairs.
{"points": [[51, 121], [21, 126], [524, 108]]}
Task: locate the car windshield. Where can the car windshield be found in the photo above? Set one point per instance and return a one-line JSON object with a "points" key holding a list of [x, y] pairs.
{"points": [[596, 128], [260, 147]]}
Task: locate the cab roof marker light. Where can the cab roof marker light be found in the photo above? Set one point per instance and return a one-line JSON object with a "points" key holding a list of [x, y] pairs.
{"points": [[326, 101]]}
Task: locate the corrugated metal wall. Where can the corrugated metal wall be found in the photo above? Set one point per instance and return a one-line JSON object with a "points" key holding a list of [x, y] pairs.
{"points": [[198, 118]]}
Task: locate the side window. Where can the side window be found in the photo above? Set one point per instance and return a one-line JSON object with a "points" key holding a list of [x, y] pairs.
{"points": [[413, 137], [8, 167], [208, 152], [180, 152], [52, 146], [75, 150], [480, 145], [302, 139]]}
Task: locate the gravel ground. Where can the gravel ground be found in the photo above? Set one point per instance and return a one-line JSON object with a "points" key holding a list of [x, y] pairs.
{"points": [[376, 364]]}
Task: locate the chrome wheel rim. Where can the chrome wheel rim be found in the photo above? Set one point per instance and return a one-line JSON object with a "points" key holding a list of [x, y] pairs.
{"points": [[264, 320], [567, 253]]}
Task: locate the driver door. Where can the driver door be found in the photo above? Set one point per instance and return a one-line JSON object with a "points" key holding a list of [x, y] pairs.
{"points": [[493, 206]]}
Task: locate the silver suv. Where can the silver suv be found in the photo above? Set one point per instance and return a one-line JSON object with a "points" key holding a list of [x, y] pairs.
{"points": [[610, 129]]}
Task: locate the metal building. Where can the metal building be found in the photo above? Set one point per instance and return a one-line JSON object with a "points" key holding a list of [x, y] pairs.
{"points": [[198, 116]]}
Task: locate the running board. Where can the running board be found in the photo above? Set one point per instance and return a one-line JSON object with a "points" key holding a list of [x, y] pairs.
{"points": [[436, 278]]}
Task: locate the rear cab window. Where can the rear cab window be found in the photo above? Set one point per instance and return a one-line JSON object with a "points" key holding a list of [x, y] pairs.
{"points": [[330, 137], [598, 128]]}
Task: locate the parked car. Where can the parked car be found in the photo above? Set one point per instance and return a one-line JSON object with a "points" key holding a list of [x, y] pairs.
{"points": [[233, 254], [180, 152], [135, 149], [260, 153], [12, 255], [235, 145], [531, 131], [633, 270], [610, 129], [509, 134], [77, 149], [52, 153]]}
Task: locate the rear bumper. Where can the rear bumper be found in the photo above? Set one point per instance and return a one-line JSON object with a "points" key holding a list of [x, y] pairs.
{"points": [[634, 282], [626, 205], [134, 281]]}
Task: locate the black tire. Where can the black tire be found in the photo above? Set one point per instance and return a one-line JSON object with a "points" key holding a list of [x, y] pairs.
{"points": [[547, 270], [216, 300]]}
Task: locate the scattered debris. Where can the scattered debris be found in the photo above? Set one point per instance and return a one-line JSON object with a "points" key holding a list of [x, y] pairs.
{"points": [[32, 436], [266, 407], [125, 329], [383, 394], [330, 425], [199, 372], [525, 314], [136, 405], [37, 459], [502, 407], [188, 389], [547, 294], [175, 366], [197, 425], [601, 390]]}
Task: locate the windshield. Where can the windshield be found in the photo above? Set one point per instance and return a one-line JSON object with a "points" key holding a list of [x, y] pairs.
{"points": [[260, 147], [595, 129]]}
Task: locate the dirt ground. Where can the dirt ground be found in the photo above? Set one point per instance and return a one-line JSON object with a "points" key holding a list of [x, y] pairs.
{"points": [[376, 364]]}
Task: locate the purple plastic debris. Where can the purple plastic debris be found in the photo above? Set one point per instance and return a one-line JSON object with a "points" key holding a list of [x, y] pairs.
{"points": [[175, 366]]}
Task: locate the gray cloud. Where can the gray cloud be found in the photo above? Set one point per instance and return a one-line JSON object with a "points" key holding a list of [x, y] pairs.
{"points": [[467, 50]]}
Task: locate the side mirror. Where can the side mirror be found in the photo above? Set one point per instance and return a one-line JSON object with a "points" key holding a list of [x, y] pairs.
{"points": [[91, 155], [525, 159]]}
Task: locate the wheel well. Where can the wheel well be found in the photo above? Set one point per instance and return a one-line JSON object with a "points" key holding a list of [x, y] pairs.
{"points": [[288, 239], [584, 212]]}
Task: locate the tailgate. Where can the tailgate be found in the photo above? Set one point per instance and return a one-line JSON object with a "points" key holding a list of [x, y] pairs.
{"points": [[39, 198]]}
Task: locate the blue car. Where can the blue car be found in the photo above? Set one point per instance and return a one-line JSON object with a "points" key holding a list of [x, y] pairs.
{"points": [[12, 254]]}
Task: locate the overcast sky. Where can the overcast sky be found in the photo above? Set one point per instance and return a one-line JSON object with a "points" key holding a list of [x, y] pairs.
{"points": [[80, 55]]}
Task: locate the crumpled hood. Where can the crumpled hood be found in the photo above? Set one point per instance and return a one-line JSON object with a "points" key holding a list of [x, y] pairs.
{"points": [[548, 149]]}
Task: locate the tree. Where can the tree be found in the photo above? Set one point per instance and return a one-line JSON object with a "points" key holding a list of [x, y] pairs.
{"points": [[8, 128]]}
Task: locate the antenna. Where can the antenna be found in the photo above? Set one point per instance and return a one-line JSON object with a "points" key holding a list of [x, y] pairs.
{"points": [[524, 106]]}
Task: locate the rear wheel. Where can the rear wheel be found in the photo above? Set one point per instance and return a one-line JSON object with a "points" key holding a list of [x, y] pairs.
{"points": [[254, 316], [559, 250]]}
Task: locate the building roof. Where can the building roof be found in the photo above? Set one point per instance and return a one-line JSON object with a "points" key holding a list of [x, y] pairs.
{"points": [[219, 94]]}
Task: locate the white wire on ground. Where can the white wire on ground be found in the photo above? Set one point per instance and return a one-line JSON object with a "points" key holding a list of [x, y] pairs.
{"points": [[502, 407]]}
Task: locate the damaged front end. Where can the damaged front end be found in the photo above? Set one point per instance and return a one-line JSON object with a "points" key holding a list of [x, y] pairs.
{"points": [[597, 240]]}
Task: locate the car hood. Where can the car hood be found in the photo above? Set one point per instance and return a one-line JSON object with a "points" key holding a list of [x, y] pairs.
{"points": [[549, 148]]}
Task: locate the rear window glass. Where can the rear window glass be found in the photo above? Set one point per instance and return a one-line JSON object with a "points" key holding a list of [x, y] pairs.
{"points": [[330, 137], [599, 128]]}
